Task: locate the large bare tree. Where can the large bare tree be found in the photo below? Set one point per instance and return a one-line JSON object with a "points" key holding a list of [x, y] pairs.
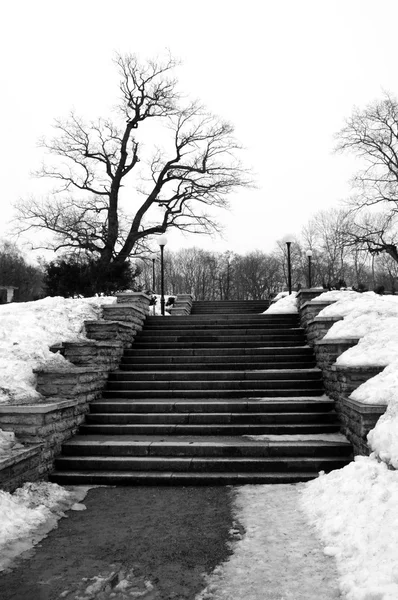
{"points": [[371, 134], [111, 196]]}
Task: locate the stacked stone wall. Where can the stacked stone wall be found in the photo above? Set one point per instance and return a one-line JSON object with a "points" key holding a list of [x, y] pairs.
{"points": [[67, 392], [357, 418]]}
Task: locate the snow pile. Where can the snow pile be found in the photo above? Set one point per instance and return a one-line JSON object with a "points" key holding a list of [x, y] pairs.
{"points": [[383, 439], [373, 319], [30, 513], [334, 295], [28, 329], [355, 511], [286, 303], [363, 314]]}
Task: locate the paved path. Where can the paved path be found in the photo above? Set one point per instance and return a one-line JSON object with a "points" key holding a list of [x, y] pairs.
{"points": [[158, 543]]}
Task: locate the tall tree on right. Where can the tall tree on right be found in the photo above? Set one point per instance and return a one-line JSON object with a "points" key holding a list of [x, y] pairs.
{"points": [[371, 134]]}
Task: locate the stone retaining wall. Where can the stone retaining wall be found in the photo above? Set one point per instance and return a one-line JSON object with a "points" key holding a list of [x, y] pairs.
{"points": [[357, 418], [307, 294], [48, 425], [19, 466], [309, 310], [66, 392], [318, 328]]}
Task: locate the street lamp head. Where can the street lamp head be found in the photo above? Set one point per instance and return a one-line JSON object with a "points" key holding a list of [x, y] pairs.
{"points": [[309, 253], [288, 239], [162, 241]]}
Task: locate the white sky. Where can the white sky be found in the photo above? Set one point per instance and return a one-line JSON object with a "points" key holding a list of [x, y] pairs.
{"points": [[286, 73]]}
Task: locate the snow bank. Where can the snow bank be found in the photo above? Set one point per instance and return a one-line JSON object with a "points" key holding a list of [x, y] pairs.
{"points": [[383, 439], [30, 513], [333, 295], [286, 303], [28, 329], [355, 512], [373, 319], [363, 314]]}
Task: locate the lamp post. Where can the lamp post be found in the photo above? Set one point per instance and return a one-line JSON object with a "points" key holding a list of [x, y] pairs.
{"points": [[153, 275], [309, 254], [288, 241], [162, 241]]}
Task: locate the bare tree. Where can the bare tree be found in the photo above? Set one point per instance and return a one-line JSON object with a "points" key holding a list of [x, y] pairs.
{"points": [[257, 276], [371, 134], [96, 169]]}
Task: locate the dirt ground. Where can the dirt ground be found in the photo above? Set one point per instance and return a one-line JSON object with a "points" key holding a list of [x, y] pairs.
{"points": [[132, 542]]}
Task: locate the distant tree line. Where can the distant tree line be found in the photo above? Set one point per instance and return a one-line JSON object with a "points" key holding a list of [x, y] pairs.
{"points": [[335, 263]]}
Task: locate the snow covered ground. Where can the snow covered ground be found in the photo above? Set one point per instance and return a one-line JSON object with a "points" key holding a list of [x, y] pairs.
{"points": [[355, 511], [30, 513]]}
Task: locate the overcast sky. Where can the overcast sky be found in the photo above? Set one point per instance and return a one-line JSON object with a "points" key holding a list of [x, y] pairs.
{"points": [[285, 73]]}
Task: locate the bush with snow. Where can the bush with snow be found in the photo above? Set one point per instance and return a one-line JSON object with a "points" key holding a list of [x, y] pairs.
{"points": [[285, 304], [28, 329]]}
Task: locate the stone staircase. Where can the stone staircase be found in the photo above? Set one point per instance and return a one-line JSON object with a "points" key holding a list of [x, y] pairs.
{"points": [[233, 307], [189, 392]]}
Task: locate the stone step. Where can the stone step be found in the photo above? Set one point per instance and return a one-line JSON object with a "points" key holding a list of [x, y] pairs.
{"points": [[193, 345], [142, 445], [144, 338], [190, 332], [173, 478], [210, 394], [216, 385], [208, 429], [213, 418], [222, 320], [201, 464], [132, 364], [166, 325], [216, 406], [190, 389], [217, 376], [208, 353]]}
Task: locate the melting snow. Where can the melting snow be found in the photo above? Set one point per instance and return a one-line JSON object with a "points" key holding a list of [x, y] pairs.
{"points": [[285, 304]]}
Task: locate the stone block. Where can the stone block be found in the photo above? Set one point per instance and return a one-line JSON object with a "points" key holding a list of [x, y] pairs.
{"points": [[136, 298], [104, 354], [307, 294], [318, 328], [106, 330], [126, 313], [348, 378], [357, 420], [70, 383], [309, 310]]}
